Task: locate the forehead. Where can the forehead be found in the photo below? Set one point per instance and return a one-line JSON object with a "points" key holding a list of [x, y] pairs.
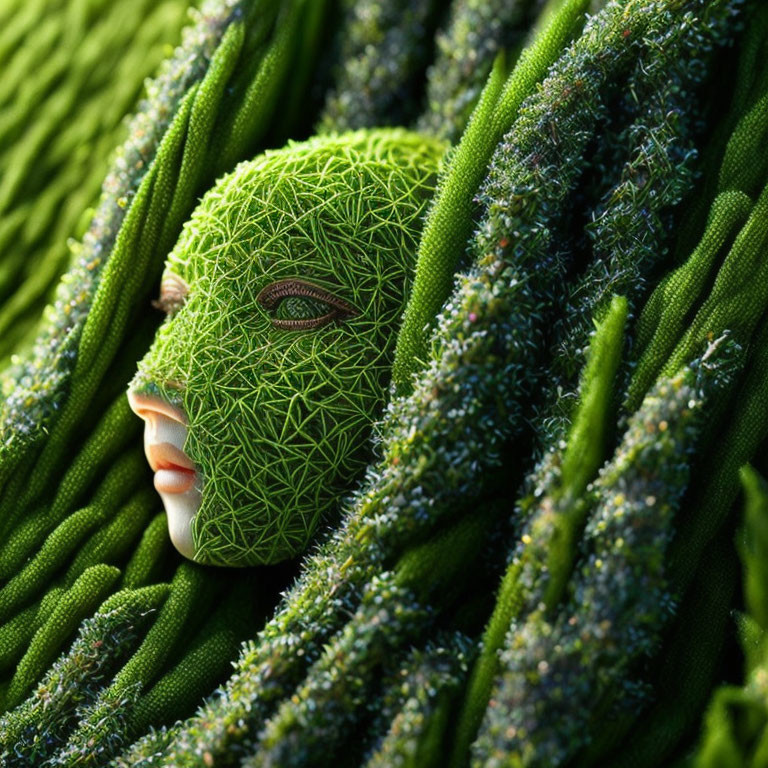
{"points": [[325, 212]]}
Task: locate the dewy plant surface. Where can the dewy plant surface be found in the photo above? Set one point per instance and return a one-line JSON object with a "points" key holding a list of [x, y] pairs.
{"points": [[537, 568]]}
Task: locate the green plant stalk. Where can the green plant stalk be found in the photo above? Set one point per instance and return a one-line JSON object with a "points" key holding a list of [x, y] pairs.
{"points": [[36, 728], [618, 599], [544, 556], [450, 221], [76, 604]]}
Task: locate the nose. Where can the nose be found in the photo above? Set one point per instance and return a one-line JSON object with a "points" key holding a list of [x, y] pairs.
{"points": [[165, 428], [150, 408]]}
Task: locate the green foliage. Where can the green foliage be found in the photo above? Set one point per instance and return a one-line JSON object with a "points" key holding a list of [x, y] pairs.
{"points": [[557, 669], [76, 604], [476, 31], [754, 552], [71, 72], [75, 499], [581, 202], [103, 724], [460, 414], [149, 554], [310, 724], [735, 728], [450, 221], [415, 706], [31, 732], [551, 521], [384, 48]]}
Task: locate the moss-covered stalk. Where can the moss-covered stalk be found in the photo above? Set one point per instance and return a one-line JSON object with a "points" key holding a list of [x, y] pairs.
{"points": [[384, 50], [30, 733], [414, 713], [476, 31], [555, 671]]}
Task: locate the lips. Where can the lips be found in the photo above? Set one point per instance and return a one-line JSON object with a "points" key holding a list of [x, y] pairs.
{"points": [[165, 432], [174, 472]]}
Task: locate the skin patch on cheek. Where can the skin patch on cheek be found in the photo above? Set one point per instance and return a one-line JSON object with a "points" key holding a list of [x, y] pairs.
{"points": [[295, 270]]}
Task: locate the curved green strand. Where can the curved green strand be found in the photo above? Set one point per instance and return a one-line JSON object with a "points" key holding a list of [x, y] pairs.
{"points": [[37, 727], [150, 555], [105, 721], [450, 220], [665, 315], [544, 556], [77, 603]]}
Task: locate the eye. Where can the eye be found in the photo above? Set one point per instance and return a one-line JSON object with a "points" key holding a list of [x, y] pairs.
{"points": [[173, 293], [298, 305]]}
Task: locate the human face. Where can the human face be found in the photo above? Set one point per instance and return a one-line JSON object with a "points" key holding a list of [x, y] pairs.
{"points": [[283, 296]]}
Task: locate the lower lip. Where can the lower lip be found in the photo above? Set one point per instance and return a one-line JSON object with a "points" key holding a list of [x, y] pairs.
{"points": [[174, 480]]}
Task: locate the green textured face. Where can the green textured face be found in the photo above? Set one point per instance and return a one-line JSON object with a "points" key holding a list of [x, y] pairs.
{"points": [[284, 295]]}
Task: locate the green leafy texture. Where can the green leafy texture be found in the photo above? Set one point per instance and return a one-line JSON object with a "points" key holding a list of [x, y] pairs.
{"points": [[149, 555], [343, 214], [384, 48], [737, 298], [116, 430], [57, 549], [553, 516], [584, 453], [556, 671], [735, 729], [743, 167], [663, 319], [440, 443], [113, 542], [32, 478], [682, 681], [476, 31], [182, 154], [711, 290], [394, 609], [32, 731], [76, 604], [17, 632], [641, 170], [195, 97], [451, 217], [104, 724], [754, 549], [416, 705], [717, 477], [337, 686], [205, 663], [149, 750], [750, 83], [15, 635], [69, 78], [626, 247], [268, 673]]}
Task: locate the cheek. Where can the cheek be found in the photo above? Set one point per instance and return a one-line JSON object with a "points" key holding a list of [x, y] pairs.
{"points": [[285, 397]]}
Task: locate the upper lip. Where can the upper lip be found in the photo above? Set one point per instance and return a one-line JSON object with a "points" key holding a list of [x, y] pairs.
{"points": [[167, 456]]}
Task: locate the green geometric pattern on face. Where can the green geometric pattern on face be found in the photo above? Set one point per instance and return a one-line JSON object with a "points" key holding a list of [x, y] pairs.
{"points": [[279, 419]]}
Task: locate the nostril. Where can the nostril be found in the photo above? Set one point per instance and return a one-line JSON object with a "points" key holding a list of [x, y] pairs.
{"points": [[148, 407]]}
